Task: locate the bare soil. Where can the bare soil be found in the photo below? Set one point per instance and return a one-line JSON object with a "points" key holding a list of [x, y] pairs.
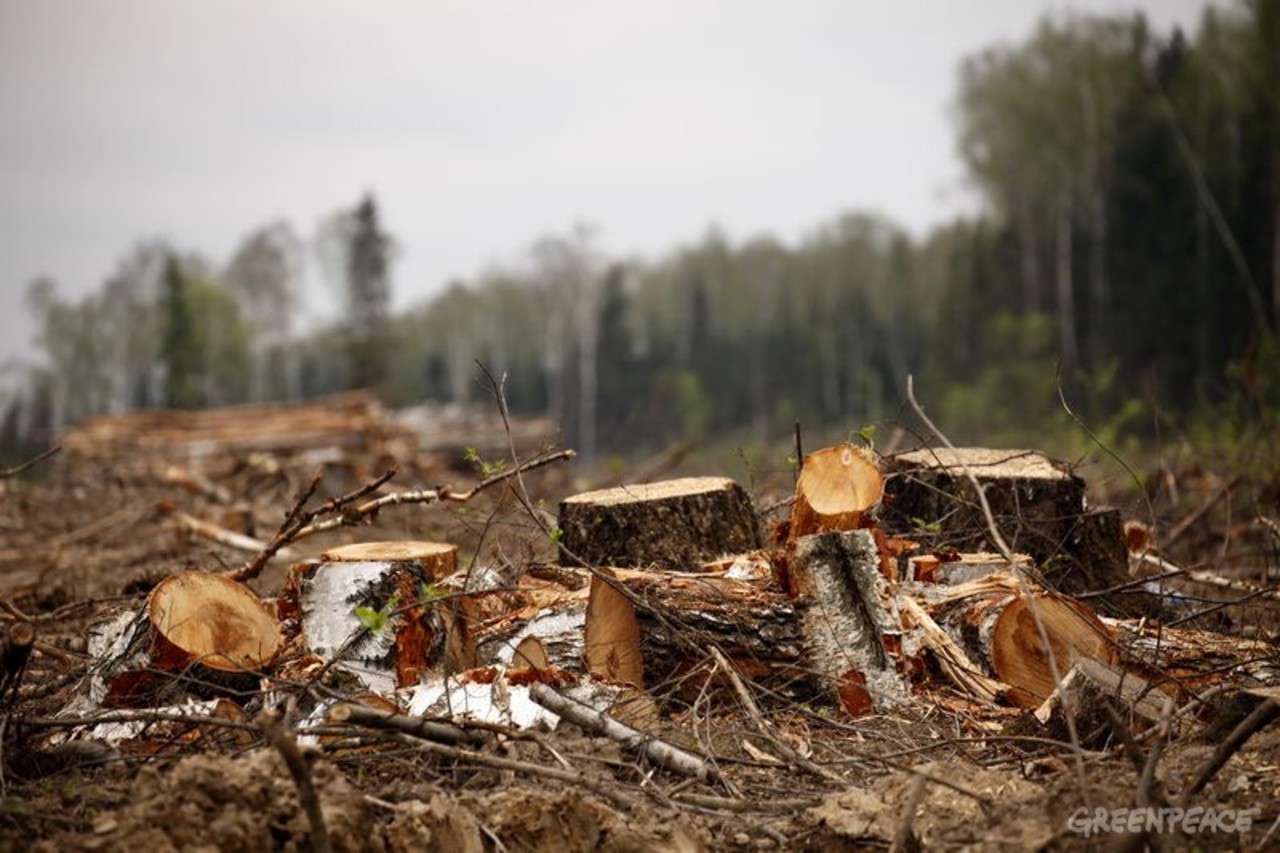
{"points": [[82, 540]]}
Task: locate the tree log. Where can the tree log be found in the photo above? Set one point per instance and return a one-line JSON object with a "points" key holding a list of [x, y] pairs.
{"points": [[673, 524], [755, 625], [838, 485], [1027, 637]]}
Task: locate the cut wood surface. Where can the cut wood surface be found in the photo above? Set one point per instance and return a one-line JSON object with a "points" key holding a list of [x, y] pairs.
{"points": [[838, 485], [1029, 637], [432, 559], [613, 634], [674, 524], [212, 621]]}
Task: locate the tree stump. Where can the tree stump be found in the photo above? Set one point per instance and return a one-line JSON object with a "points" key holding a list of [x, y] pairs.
{"points": [[837, 576], [375, 607], [1038, 505], [838, 485], [198, 632], [672, 524]]}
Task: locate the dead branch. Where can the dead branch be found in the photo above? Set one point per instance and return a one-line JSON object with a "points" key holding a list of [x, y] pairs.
{"points": [[300, 769], [1189, 521], [753, 711], [570, 776], [35, 460], [727, 804], [1262, 716], [903, 838], [363, 715], [223, 536], [598, 722], [996, 538]]}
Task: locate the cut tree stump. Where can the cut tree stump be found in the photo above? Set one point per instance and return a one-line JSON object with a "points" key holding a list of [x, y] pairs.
{"points": [[1027, 636], [198, 632], [372, 606], [1038, 506], [837, 576], [838, 485], [672, 524]]}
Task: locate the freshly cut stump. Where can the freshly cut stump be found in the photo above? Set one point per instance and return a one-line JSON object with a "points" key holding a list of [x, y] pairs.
{"points": [[1036, 502], [1005, 622], [212, 621], [838, 485], [371, 605], [433, 559], [672, 524]]}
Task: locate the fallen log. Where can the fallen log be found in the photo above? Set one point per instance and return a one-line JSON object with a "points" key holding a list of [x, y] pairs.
{"points": [[838, 485], [1024, 635], [672, 524]]}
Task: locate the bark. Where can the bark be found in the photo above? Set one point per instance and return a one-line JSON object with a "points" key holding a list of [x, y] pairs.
{"points": [[371, 607], [671, 524], [1083, 694], [1037, 503], [838, 576]]}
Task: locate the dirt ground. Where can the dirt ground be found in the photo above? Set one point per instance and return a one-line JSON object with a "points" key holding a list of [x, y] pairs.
{"points": [[85, 539]]}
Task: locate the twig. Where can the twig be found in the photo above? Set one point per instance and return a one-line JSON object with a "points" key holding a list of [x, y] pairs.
{"points": [[18, 469], [996, 538], [726, 804], [753, 711], [221, 535], [799, 455], [300, 769], [572, 777], [1129, 585], [658, 751], [292, 521], [1199, 512], [362, 715], [1248, 727], [1148, 777], [1262, 593]]}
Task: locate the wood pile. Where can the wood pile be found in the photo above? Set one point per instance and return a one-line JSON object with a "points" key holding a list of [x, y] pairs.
{"points": [[324, 428]]}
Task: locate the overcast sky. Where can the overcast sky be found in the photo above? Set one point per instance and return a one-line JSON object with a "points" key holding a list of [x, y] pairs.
{"points": [[479, 125]]}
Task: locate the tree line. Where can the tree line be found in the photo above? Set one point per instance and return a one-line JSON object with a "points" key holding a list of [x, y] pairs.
{"points": [[1127, 252]]}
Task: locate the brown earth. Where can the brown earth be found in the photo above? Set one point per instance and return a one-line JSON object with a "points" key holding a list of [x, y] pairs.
{"points": [[83, 539]]}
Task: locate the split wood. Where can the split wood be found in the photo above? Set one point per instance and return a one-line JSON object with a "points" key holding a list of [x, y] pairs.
{"points": [[598, 722], [362, 715]]}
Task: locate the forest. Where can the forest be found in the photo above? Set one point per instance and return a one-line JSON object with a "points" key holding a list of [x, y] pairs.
{"points": [[1126, 260]]}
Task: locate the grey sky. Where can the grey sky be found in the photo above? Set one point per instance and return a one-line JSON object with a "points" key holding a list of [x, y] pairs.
{"points": [[480, 125]]}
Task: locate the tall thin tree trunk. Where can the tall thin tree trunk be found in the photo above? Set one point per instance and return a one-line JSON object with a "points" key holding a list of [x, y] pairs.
{"points": [[1066, 293]]}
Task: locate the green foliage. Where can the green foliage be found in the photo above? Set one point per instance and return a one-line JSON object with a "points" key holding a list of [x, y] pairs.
{"points": [[484, 467], [376, 621]]}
